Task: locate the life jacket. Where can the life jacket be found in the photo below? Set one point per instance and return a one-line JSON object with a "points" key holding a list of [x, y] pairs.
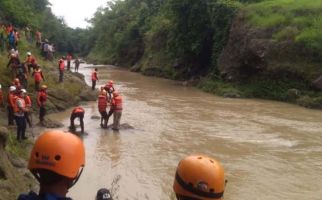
{"points": [[61, 64], [16, 109], [42, 97], [102, 103], [28, 101], [37, 75], [30, 60], [11, 99], [117, 103], [11, 37], [94, 76], [78, 110], [69, 57]]}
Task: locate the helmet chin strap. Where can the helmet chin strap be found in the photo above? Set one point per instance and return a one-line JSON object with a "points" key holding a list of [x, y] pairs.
{"points": [[192, 189], [77, 177]]}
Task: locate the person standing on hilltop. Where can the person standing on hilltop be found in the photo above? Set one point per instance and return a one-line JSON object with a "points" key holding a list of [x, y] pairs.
{"points": [[61, 68], [94, 78], [41, 102], [69, 59]]}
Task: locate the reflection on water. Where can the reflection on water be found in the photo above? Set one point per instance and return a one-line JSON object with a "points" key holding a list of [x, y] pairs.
{"points": [[270, 150]]}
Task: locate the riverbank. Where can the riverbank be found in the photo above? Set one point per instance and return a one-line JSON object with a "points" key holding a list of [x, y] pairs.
{"points": [[14, 175]]}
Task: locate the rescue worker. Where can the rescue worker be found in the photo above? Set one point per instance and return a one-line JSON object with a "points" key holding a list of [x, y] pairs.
{"points": [[69, 59], [13, 63], [30, 62], [117, 104], [57, 160], [28, 106], [110, 89], [38, 76], [21, 74], [41, 102], [77, 63], [102, 105], [94, 78], [77, 112], [199, 177], [16, 83], [10, 104], [19, 109], [61, 68]]}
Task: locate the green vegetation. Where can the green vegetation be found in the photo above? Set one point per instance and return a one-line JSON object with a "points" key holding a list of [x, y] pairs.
{"points": [[182, 38], [298, 20], [19, 149]]}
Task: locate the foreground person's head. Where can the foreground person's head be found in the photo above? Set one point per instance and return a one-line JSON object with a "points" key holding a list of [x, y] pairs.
{"points": [[199, 177], [57, 160]]}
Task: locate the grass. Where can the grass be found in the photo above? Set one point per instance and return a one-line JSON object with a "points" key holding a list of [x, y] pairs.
{"points": [[20, 149], [300, 20]]}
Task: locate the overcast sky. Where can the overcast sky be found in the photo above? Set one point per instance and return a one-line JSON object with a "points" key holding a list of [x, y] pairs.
{"points": [[76, 11]]}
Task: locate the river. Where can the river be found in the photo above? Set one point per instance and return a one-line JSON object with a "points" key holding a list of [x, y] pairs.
{"points": [[269, 150]]}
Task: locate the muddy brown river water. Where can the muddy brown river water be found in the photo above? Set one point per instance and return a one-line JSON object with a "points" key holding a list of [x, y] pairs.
{"points": [[269, 150]]}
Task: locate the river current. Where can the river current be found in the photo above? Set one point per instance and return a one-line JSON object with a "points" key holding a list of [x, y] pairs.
{"points": [[269, 150]]}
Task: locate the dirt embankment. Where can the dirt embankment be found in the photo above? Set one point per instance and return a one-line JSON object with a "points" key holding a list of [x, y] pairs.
{"points": [[14, 176], [252, 52]]}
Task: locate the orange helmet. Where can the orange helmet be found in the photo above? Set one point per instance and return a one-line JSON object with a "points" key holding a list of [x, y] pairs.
{"points": [[116, 93], [59, 152], [199, 177]]}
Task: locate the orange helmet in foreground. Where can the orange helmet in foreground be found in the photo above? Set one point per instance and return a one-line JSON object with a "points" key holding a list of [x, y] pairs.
{"points": [[199, 177], [59, 152]]}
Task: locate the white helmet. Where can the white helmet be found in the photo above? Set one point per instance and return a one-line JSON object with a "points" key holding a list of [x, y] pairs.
{"points": [[23, 91], [0, 86], [28, 53], [12, 88]]}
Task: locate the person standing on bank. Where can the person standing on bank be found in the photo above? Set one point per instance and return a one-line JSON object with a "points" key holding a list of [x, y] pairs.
{"points": [[61, 68], [77, 63], [10, 104], [19, 112], [28, 106], [94, 78]]}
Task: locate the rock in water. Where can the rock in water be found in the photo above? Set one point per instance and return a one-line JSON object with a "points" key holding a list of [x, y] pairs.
{"points": [[50, 124], [95, 117], [124, 126]]}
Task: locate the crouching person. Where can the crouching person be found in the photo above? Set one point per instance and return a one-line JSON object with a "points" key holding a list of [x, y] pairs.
{"points": [[56, 167], [77, 112]]}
